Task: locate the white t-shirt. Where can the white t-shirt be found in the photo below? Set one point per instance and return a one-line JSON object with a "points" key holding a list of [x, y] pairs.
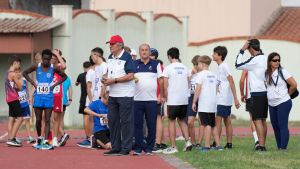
{"points": [[207, 101], [100, 70], [193, 83], [224, 93], [278, 94], [91, 77], [146, 87], [178, 89]]}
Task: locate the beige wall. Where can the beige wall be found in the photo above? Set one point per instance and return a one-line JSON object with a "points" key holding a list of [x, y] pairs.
{"points": [[260, 13], [208, 19], [289, 61]]}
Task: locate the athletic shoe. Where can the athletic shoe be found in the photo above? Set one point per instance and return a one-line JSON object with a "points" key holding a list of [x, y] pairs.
{"points": [[85, 144], [55, 142], [256, 144], [38, 144], [213, 145], [157, 148], [64, 140], [180, 138], [112, 153], [47, 146], [170, 150], [148, 154], [197, 146], [163, 146], [135, 153], [228, 146], [123, 153], [204, 149], [30, 140], [260, 149], [188, 146], [219, 148], [19, 141], [13, 142]]}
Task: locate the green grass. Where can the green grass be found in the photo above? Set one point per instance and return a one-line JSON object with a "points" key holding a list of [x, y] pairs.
{"points": [[243, 156]]}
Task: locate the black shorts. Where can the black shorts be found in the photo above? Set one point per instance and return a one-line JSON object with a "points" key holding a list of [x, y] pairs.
{"points": [[177, 112], [207, 119], [15, 109], [249, 105], [102, 136], [259, 107], [81, 109], [160, 108], [64, 108]]}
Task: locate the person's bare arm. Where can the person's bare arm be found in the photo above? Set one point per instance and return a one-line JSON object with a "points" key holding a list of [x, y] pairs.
{"points": [[27, 72], [293, 85], [126, 78], [63, 77], [88, 90], [242, 85], [161, 94], [61, 61], [70, 94], [165, 88], [196, 96], [17, 79], [232, 86]]}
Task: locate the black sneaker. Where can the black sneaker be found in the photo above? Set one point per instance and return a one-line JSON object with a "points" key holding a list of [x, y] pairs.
{"points": [[228, 146], [260, 148], [112, 153], [163, 146], [13, 142], [213, 145], [123, 153], [157, 148]]}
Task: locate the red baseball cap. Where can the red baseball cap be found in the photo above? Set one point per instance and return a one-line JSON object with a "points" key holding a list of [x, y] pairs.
{"points": [[115, 39]]}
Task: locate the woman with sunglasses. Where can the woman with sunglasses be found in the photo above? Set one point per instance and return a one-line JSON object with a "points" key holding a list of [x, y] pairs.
{"points": [[279, 100]]}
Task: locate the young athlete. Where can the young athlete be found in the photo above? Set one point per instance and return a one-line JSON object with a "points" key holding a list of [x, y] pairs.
{"points": [[190, 113], [226, 93], [13, 83], [23, 98], [98, 109], [205, 94], [43, 95], [176, 76]]}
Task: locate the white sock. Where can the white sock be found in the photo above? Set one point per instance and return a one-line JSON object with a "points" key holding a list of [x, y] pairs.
{"points": [[255, 136]]}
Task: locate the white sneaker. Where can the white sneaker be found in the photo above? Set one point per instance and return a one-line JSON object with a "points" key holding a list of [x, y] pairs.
{"points": [[188, 146], [170, 150], [55, 142], [180, 138]]}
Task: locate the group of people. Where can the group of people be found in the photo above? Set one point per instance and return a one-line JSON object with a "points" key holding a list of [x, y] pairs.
{"points": [[122, 98]]}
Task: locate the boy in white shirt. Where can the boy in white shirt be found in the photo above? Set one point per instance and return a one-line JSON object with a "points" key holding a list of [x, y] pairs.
{"points": [[205, 94], [225, 94], [176, 91]]}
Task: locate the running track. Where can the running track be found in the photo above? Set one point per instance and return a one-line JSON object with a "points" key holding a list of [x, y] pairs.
{"points": [[73, 157]]}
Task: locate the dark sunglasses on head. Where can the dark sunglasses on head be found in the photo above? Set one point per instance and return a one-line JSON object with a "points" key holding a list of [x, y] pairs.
{"points": [[275, 60]]}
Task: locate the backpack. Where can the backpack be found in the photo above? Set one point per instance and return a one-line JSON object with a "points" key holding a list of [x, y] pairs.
{"points": [[296, 92]]}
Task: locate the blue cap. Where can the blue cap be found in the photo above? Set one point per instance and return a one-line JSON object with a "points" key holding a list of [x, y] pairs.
{"points": [[154, 52]]}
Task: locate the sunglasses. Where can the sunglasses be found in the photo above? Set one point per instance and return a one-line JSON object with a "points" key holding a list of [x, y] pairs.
{"points": [[275, 60]]}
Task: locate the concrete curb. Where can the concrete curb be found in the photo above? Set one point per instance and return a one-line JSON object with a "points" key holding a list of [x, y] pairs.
{"points": [[175, 162]]}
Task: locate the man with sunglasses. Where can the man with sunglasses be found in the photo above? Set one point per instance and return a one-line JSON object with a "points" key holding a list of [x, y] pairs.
{"points": [[256, 66]]}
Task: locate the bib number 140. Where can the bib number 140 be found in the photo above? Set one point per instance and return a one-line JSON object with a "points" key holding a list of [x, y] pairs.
{"points": [[43, 89]]}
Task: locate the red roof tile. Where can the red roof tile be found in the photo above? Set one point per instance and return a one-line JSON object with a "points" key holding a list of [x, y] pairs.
{"points": [[287, 25], [32, 25]]}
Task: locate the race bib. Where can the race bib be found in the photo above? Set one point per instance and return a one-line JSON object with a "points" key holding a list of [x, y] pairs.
{"points": [[103, 122], [56, 89], [22, 96], [43, 89], [193, 88]]}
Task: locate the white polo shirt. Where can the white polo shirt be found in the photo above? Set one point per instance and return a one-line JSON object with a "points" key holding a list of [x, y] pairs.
{"points": [[178, 89], [278, 91], [147, 74], [207, 101], [224, 93], [119, 66], [91, 77]]}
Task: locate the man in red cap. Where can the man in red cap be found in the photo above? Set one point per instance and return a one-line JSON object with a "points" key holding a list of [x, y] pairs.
{"points": [[121, 69]]}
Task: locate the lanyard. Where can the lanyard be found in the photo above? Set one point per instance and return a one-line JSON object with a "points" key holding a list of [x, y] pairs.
{"points": [[275, 84]]}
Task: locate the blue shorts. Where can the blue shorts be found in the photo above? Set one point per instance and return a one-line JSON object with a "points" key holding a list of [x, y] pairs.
{"points": [[43, 102], [26, 112], [190, 111], [223, 111]]}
